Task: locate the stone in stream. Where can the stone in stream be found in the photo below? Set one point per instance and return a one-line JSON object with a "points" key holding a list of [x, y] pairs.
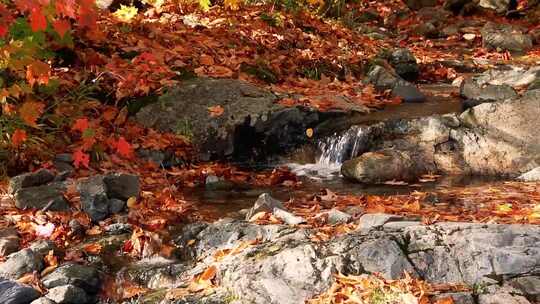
{"points": [[505, 37], [488, 92], [20, 263], [12, 292], [530, 176], [380, 166], [67, 294], [335, 216], [264, 203]]}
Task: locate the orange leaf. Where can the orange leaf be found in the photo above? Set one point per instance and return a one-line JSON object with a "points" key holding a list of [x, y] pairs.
{"points": [[206, 60], [30, 111], [209, 273], [216, 111], [61, 26], [80, 124], [94, 248], [123, 148], [81, 158], [447, 300], [38, 72], [18, 137], [38, 22]]}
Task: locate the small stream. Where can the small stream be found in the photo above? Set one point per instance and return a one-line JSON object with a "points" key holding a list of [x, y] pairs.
{"points": [[318, 166]]}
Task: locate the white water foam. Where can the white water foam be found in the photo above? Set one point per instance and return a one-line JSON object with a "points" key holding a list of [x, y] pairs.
{"points": [[333, 151]]}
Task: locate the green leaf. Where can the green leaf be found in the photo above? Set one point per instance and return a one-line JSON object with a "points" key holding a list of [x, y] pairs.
{"points": [[204, 4]]}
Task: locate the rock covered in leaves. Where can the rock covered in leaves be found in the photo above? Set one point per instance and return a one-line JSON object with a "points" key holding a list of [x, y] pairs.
{"points": [[285, 266], [228, 118], [102, 195]]}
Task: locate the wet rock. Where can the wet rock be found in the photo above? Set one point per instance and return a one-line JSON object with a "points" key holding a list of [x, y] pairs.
{"points": [[122, 186], [500, 6], [501, 298], [81, 276], [252, 125], [63, 162], [514, 76], [265, 203], [41, 197], [505, 37], [456, 6], [118, 228], [67, 294], [37, 178], [380, 166], [489, 92], [116, 205], [530, 176], [12, 292], [404, 63], [9, 241], [154, 272], [418, 4], [457, 298]]}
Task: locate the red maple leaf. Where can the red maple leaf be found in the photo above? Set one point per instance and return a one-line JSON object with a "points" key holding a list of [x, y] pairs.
{"points": [[5, 20], [61, 26], [18, 137], [80, 124], [38, 22], [123, 148], [66, 8], [80, 158]]}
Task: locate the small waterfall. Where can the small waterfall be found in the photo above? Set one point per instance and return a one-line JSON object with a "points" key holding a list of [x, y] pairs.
{"points": [[341, 147], [334, 150]]}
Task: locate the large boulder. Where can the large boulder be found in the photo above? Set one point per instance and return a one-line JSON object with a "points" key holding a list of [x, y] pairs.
{"points": [[505, 37], [41, 197], [12, 292], [31, 179], [227, 118], [380, 166]]}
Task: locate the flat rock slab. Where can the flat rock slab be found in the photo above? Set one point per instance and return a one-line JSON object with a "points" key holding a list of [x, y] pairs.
{"points": [[286, 266]]}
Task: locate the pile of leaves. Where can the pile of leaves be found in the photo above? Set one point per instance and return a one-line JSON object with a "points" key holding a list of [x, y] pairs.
{"points": [[373, 289]]}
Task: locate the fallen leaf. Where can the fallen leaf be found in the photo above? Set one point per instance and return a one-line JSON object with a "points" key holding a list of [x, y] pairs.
{"points": [[216, 111]]}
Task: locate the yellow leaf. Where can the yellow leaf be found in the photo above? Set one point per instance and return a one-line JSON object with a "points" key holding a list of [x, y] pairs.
{"points": [[125, 13], [309, 132], [504, 207], [232, 4]]}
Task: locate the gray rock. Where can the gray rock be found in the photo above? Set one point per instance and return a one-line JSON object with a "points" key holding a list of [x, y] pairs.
{"points": [[118, 228], [20, 263], [505, 37], [335, 216], [265, 203], [530, 176], [457, 297], [41, 197], [63, 162], [155, 273], [514, 76], [37, 178], [501, 298], [404, 63], [376, 220], [67, 294], [489, 92], [287, 217], [529, 286], [81, 276], [116, 205], [12, 292], [122, 186], [380, 166], [383, 79], [9, 241], [43, 300], [94, 200]]}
